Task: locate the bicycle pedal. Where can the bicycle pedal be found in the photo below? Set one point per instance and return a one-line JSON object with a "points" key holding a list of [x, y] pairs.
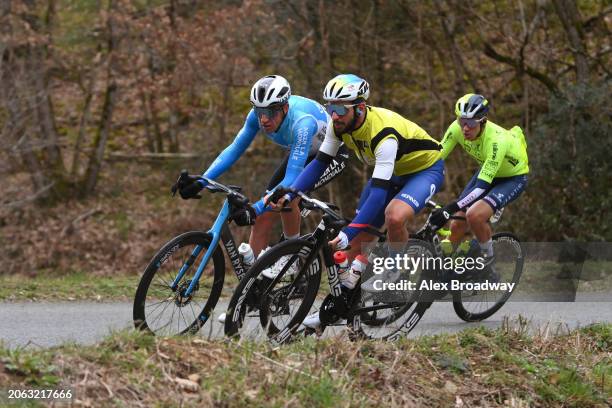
{"points": [[313, 332]]}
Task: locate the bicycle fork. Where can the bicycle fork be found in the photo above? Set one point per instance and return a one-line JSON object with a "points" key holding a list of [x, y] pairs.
{"points": [[215, 233]]}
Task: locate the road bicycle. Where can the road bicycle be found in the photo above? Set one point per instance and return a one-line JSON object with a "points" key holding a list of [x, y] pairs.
{"points": [[280, 304], [182, 283], [280, 312], [470, 303]]}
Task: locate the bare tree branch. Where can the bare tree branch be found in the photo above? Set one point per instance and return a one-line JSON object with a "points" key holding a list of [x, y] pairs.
{"points": [[490, 52], [20, 203]]}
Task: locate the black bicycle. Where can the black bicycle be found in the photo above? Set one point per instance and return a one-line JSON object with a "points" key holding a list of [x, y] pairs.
{"points": [[281, 314], [464, 287], [280, 304], [181, 285]]}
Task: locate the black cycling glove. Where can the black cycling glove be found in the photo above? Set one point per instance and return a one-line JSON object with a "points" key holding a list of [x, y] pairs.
{"points": [[191, 191], [188, 186], [441, 216], [244, 216]]}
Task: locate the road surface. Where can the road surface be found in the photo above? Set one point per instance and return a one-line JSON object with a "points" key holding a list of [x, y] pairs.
{"points": [[49, 324]]}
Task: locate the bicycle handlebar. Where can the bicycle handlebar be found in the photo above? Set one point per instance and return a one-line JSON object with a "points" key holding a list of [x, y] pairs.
{"points": [[215, 187], [328, 208], [235, 197]]}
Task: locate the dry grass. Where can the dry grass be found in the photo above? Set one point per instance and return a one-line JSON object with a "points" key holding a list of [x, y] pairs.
{"points": [[477, 367]]}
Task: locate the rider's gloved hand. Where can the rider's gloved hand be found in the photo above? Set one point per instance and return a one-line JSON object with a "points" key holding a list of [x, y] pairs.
{"points": [[192, 190], [280, 197], [441, 216], [340, 242], [188, 186], [244, 216]]}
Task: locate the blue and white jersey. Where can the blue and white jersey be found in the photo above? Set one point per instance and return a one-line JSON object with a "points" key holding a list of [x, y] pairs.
{"points": [[302, 132]]}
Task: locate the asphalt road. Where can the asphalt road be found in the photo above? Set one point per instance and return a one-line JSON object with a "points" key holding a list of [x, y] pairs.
{"points": [[50, 324]]}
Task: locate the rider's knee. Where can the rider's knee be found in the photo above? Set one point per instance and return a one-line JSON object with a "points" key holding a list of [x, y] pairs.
{"points": [[476, 216], [398, 214], [395, 218]]}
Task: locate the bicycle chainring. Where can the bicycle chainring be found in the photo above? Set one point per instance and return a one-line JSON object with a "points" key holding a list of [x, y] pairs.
{"points": [[328, 312]]}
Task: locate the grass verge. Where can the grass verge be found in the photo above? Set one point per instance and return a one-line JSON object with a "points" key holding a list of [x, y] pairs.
{"points": [[75, 286], [476, 367]]}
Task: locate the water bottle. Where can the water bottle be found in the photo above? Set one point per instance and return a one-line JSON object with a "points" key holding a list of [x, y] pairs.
{"points": [[342, 264], [463, 249], [353, 274], [447, 247], [341, 260], [248, 257]]}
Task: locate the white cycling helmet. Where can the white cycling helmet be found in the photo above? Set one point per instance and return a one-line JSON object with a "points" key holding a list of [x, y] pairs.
{"points": [[271, 90], [346, 87]]}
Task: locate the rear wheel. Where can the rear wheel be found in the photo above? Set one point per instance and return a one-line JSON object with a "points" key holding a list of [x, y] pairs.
{"points": [[477, 305], [382, 318], [278, 304], [164, 308]]}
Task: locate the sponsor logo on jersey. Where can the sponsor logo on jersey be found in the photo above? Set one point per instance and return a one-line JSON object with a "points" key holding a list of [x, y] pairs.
{"points": [[332, 171], [410, 198]]}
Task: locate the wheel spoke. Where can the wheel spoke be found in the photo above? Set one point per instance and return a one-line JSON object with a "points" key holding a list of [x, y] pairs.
{"points": [[166, 311]]}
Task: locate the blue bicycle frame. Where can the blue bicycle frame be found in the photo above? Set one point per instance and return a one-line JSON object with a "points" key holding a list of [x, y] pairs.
{"points": [[219, 232]]}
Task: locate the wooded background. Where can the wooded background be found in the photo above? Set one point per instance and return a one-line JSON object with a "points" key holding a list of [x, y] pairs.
{"points": [[86, 85]]}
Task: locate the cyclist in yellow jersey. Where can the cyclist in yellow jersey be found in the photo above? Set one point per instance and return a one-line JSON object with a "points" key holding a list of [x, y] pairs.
{"points": [[407, 171], [501, 178]]}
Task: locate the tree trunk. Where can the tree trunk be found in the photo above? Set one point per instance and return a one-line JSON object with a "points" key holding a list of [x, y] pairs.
{"points": [[147, 122], [462, 74], [97, 155], [172, 89], [17, 130], [159, 142], [85, 117], [104, 127], [325, 50], [570, 18]]}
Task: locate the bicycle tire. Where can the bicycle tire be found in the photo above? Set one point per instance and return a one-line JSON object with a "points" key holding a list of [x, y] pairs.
{"points": [[412, 314], [162, 269], [403, 318], [460, 301], [250, 289]]}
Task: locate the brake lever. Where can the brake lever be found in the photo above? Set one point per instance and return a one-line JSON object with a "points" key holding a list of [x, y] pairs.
{"points": [[277, 195], [179, 181]]}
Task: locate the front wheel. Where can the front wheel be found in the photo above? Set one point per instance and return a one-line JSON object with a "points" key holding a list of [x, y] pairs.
{"points": [[163, 305], [278, 304], [476, 305]]}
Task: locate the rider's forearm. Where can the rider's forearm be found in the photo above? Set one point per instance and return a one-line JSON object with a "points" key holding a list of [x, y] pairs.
{"points": [[234, 151], [311, 174], [223, 162], [368, 211], [296, 163], [260, 207], [294, 169], [479, 189]]}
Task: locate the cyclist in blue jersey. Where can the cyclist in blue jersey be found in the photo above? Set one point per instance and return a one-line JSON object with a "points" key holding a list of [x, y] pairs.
{"points": [[293, 122]]}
